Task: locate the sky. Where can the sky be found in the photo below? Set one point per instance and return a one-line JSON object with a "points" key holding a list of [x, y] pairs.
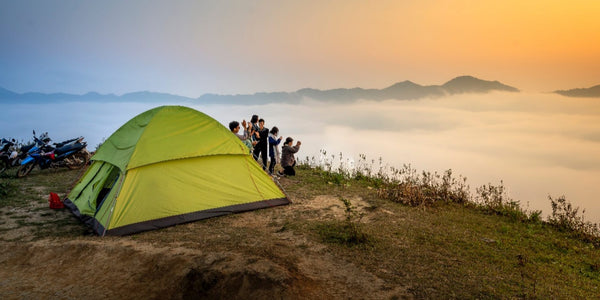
{"points": [[194, 47]]}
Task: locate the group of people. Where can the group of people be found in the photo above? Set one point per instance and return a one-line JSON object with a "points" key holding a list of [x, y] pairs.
{"points": [[263, 143]]}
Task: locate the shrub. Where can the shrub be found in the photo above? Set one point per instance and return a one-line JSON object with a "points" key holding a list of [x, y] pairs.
{"points": [[409, 187], [337, 170], [494, 199], [425, 189], [566, 217]]}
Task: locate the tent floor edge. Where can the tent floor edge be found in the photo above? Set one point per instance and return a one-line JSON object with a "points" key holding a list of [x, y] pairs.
{"points": [[195, 216], [87, 220]]}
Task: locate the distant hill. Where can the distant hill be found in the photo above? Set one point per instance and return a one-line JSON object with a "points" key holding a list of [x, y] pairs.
{"points": [[7, 96], [4, 93], [469, 84], [584, 92], [405, 90]]}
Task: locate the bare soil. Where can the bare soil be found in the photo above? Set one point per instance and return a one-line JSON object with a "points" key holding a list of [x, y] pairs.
{"points": [[267, 254]]}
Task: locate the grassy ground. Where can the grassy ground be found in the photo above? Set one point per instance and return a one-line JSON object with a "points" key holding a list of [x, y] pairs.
{"points": [[24, 212], [451, 250], [338, 239]]}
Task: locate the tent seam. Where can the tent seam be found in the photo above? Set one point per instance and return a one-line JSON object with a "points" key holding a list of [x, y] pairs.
{"points": [[185, 157], [252, 178]]}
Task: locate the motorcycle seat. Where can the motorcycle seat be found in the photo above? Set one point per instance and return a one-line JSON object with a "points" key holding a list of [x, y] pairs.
{"points": [[26, 148], [58, 145], [67, 148]]}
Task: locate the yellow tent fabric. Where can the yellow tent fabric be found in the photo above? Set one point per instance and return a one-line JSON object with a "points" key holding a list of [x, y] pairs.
{"points": [[166, 166], [166, 133]]}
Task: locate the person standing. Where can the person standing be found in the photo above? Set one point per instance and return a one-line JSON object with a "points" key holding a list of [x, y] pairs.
{"points": [[288, 161], [263, 142], [254, 127], [273, 150]]}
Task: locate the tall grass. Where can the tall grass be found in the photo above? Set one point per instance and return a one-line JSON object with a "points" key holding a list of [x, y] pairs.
{"points": [[408, 186]]}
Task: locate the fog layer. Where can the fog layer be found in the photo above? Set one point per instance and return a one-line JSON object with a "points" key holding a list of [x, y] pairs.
{"points": [[538, 144]]}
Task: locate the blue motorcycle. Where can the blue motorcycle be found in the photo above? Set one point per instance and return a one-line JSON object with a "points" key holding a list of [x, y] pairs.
{"points": [[71, 153], [12, 153]]}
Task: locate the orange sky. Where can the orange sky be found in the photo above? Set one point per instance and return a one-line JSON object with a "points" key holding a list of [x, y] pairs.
{"points": [[538, 41], [193, 47], [535, 45]]}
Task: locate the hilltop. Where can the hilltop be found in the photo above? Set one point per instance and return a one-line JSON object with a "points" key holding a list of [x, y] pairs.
{"points": [[405, 90], [408, 90], [581, 92], [340, 238]]}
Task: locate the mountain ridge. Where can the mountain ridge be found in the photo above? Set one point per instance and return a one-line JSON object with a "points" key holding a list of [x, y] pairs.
{"points": [[591, 92], [404, 90]]}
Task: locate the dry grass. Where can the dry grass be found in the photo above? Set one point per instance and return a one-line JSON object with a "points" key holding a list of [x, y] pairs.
{"points": [[446, 250]]}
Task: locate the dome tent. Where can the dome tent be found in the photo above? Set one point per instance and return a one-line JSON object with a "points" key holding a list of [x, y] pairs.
{"points": [[166, 166]]}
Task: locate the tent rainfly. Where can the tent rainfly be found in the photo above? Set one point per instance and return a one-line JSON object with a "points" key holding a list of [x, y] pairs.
{"points": [[167, 166]]}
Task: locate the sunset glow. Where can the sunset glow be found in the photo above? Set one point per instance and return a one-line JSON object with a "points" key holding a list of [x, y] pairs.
{"points": [[192, 47]]}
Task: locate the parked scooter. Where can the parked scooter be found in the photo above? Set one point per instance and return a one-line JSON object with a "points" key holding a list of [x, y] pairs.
{"points": [[6, 151], [71, 153], [23, 150], [13, 153]]}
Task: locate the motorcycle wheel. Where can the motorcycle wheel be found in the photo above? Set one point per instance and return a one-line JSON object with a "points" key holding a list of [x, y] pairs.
{"points": [[25, 169], [77, 160]]}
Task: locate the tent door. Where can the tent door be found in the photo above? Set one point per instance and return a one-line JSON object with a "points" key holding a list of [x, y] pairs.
{"points": [[110, 182]]}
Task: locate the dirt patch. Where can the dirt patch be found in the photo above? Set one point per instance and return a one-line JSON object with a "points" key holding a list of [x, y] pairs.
{"points": [[263, 254], [132, 270], [328, 207], [115, 269], [23, 223], [281, 263]]}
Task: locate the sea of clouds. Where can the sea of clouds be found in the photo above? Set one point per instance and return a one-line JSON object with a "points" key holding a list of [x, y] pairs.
{"points": [[537, 144]]}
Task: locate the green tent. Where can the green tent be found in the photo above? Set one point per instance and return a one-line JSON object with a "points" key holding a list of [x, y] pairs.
{"points": [[166, 166]]}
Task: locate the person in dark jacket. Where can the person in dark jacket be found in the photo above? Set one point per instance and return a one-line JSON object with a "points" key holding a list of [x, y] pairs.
{"points": [[263, 142], [254, 127], [273, 150], [288, 161]]}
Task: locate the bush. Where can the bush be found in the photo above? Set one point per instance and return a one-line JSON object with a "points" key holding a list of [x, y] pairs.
{"points": [[409, 187], [337, 170], [425, 189], [494, 199], [566, 217]]}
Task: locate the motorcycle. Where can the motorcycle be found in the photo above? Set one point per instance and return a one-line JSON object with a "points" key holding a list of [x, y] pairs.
{"points": [[21, 152], [6, 154], [71, 153], [12, 153]]}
